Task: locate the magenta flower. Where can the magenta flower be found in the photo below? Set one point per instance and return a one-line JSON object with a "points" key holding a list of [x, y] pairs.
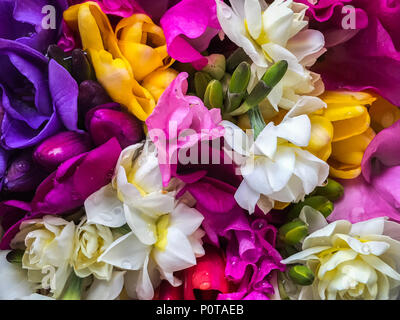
{"points": [[179, 122], [377, 192], [371, 59], [76, 179], [189, 27]]}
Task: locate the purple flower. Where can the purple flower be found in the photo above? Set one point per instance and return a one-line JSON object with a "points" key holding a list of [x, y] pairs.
{"points": [[377, 192], [39, 98], [67, 188], [21, 20], [367, 57]]}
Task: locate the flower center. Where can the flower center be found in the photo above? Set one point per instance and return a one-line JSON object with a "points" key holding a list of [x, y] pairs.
{"points": [[162, 232]]}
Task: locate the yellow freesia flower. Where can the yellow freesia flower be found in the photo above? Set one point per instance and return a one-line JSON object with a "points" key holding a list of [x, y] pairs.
{"points": [[131, 63], [341, 132]]}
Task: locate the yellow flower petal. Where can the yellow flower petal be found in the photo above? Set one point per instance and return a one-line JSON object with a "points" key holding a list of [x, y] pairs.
{"points": [[157, 81], [345, 129], [321, 137]]}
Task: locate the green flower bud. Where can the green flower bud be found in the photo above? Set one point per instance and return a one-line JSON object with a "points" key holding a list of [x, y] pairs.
{"points": [[332, 190], [293, 232], [216, 66], [201, 80], [73, 290], [225, 81], [256, 120], [319, 203], [301, 275], [214, 96], [15, 256], [275, 73], [240, 78], [235, 59], [264, 87]]}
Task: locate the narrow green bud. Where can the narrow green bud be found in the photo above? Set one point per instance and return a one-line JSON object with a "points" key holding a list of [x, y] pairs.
{"points": [[15, 256], [281, 287], [301, 275], [81, 68], [73, 290], [201, 80], [319, 203], [332, 190], [293, 232], [225, 81], [240, 78], [214, 96], [256, 121], [235, 59], [216, 66], [258, 94], [275, 73]]}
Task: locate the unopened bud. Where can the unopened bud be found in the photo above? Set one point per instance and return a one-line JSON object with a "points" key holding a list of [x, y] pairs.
{"points": [[240, 78], [91, 94], [333, 190], [214, 96], [238, 56], [318, 203], [216, 66], [61, 147], [301, 275], [81, 68], [56, 53], [15, 256], [293, 232], [201, 80], [104, 124]]}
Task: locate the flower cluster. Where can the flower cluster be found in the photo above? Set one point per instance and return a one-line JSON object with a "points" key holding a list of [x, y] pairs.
{"points": [[199, 150]]}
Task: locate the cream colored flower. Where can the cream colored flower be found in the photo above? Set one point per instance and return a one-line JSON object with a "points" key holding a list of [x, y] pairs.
{"points": [[350, 261], [91, 240], [49, 247], [270, 33]]}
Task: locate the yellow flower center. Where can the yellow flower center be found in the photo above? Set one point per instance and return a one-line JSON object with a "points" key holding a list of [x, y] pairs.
{"points": [[162, 232]]}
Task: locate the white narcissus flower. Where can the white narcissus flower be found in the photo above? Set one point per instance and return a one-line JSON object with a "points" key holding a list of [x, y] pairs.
{"points": [[91, 240], [165, 235], [49, 246], [350, 261], [270, 33], [135, 196], [274, 167]]}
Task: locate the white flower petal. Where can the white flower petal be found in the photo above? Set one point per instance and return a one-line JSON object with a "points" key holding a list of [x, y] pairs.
{"points": [[305, 44], [103, 207], [313, 219], [186, 219], [296, 130], [252, 10], [177, 254], [306, 105], [381, 266], [372, 226], [336, 259], [13, 280], [278, 20], [107, 290], [127, 252], [304, 255], [323, 236], [236, 138]]}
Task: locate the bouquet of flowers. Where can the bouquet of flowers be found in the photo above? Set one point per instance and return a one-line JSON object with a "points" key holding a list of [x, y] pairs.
{"points": [[200, 149]]}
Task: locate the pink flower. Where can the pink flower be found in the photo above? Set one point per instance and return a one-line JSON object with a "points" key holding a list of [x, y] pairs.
{"points": [[179, 122], [364, 57], [189, 27], [377, 192]]}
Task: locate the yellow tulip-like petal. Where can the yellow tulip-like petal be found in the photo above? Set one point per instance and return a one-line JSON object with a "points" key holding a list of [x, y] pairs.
{"points": [[159, 80], [383, 114], [337, 113], [347, 155], [321, 137], [143, 44], [347, 98], [345, 129], [121, 63]]}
